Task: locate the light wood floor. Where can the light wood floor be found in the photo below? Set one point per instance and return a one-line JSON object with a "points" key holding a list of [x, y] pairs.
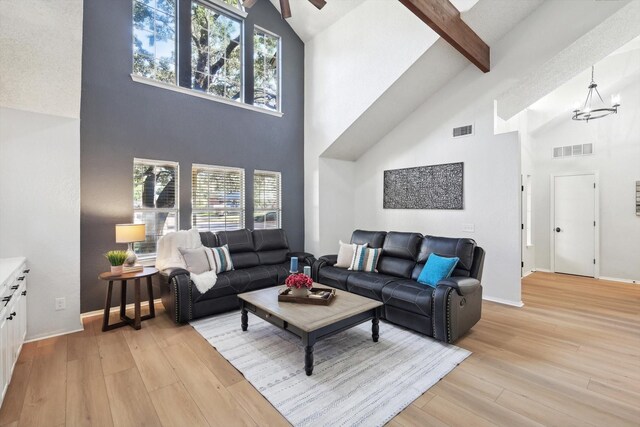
{"points": [[571, 356]]}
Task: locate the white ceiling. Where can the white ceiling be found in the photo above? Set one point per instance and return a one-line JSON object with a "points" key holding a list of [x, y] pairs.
{"points": [[307, 21]]}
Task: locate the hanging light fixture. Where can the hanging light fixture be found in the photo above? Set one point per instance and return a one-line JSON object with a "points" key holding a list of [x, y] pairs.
{"points": [[588, 111]]}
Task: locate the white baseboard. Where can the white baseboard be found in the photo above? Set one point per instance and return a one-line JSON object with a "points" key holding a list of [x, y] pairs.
{"points": [[615, 279], [542, 270], [57, 334], [504, 301], [526, 273], [117, 309]]}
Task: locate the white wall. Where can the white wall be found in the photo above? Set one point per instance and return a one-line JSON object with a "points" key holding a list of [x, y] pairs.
{"points": [[40, 213], [40, 84], [347, 67], [616, 141]]}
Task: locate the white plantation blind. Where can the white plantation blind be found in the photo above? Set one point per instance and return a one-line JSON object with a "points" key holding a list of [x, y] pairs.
{"points": [[217, 198], [267, 199]]}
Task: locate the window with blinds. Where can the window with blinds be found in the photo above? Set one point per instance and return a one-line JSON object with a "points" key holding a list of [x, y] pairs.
{"points": [[155, 201], [267, 200], [217, 198]]}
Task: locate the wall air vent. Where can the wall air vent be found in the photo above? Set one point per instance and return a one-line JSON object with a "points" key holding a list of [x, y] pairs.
{"points": [[572, 150], [463, 131]]}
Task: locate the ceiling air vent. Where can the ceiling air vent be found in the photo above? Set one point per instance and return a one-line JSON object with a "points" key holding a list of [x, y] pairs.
{"points": [[572, 150], [463, 131]]}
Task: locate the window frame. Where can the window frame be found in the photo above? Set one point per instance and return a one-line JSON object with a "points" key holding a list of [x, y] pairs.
{"points": [[243, 206], [257, 28], [176, 209], [279, 209], [234, 14]]}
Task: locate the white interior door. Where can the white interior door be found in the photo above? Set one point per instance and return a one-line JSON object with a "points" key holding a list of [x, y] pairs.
{"points": [[574, 228]]}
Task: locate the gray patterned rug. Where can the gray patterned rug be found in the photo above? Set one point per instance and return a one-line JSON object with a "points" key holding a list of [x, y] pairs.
{"points": [[355, 381]]}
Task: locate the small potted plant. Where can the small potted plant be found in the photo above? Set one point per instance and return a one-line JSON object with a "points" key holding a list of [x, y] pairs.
{"points": [[299, 283], [116, 259]]}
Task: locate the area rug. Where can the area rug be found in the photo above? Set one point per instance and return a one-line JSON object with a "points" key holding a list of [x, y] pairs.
{"points": [[355, 381]]}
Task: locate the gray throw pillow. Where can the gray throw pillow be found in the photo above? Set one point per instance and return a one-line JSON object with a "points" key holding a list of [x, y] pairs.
{"points": [[196, 260]]}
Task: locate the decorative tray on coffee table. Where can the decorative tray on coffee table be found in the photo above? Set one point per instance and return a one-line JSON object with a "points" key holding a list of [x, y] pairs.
{"points": [[317, 296]]}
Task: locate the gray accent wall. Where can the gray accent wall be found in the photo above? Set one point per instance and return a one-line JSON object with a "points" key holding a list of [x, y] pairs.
{"points": [[122, 119]]}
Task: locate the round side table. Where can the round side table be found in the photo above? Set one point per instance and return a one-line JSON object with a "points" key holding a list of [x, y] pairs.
{"points": [[148, 272]]}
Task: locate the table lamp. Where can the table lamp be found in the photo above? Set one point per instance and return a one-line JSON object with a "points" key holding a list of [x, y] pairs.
{"points": [[130, 233]]}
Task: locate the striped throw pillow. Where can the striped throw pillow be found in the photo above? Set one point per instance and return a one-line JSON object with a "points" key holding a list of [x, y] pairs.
{"points": [[221, 259], [365, 259]]}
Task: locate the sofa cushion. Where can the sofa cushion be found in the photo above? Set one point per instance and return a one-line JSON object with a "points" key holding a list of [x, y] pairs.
{"points": [[277, 256], [401, 245], [368, 284], [268, 240], [334, 276], [196, 260], [238, 240], [345, 254], [365, 259], [209, 239], [396, 266], [244, 260], [462, 248], [238, 281], [408, 295], [373, 239]]}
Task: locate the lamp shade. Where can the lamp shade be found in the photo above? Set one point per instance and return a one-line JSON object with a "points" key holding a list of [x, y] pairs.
{"points": [[129, 233]]}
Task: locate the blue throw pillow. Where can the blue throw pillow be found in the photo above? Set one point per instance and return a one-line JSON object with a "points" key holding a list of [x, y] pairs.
{"points": [[436, 269]]}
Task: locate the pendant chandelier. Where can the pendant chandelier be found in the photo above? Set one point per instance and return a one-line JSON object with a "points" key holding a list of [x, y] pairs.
{"points": [[590, 111]]}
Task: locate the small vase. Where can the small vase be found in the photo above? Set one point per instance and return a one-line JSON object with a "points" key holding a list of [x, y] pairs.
{"points": [[299, 292], [116, 270]]}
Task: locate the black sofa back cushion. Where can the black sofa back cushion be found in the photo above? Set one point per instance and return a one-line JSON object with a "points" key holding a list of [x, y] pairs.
{"points": [[401, 245], [276, 256], [238, 241], [373, 239], [269, 240], [209, 239], [462, 248], [242, 260], [396, 266]]}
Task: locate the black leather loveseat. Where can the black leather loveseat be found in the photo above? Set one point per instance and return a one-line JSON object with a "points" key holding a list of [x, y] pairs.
{"points": [[445, 312], [261, 259]]}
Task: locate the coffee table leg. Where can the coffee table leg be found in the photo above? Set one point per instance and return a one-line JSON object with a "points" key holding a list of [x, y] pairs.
{"points": [[308, 340], [244, 318], [375, 328]]}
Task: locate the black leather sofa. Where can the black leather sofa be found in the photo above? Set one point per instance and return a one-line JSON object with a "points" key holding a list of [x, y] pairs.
{"points": [[445, 312], [261, 258]]}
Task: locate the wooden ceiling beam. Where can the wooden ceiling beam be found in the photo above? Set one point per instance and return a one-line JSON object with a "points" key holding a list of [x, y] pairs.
{"points": [[285, 9], [319, 4], [248, 3], [444, 19]]}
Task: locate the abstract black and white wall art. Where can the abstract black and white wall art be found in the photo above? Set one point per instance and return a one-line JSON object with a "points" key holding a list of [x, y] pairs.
{"points": [[425, 187]]}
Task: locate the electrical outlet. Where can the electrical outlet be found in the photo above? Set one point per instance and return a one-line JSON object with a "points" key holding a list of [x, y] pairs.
{"points": [[61, 304], [469, 228]]}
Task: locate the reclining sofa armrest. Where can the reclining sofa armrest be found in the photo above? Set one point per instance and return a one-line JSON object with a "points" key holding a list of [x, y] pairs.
{"points": [[304, 257], [323, 261], [464, 285], [175, 290]]}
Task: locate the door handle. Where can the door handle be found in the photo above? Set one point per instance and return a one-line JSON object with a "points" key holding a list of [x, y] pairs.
{"points": [[558, 229]]}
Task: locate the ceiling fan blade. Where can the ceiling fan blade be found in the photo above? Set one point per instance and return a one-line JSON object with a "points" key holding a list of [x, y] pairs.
{"points": [[285, 9], [318, 3], [248, 3]]}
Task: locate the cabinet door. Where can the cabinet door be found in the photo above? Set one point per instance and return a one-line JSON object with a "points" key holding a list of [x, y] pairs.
{"points": [[12, 335], [4, 352], [22, 309]]}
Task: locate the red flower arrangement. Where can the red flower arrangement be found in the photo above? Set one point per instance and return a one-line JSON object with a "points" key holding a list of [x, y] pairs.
{"points": [[299, 281]]}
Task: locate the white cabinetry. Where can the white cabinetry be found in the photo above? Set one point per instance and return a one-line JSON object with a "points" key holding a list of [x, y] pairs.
{"points": [[13, 315]]}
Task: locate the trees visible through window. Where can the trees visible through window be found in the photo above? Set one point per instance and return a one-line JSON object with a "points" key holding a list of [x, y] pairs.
{"points": [[267, 200], [266, 69], [154, 39], [155, 201], [216, 52], [217, 198]]}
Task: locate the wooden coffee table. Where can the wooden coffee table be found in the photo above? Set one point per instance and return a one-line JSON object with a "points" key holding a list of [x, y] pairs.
{"points": [[311, 322]]}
